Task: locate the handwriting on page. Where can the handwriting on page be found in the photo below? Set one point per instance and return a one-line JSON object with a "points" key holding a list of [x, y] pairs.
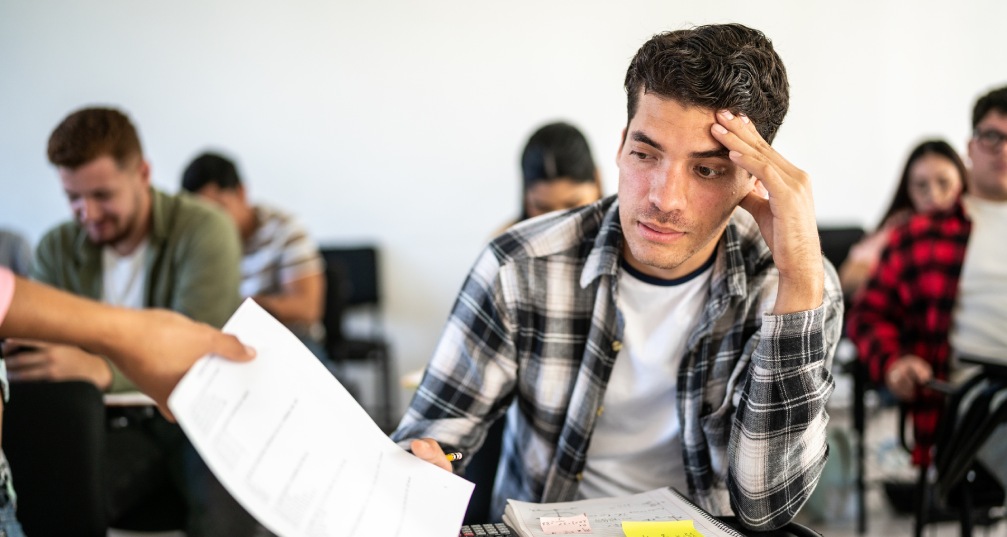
{"points": [[565, 525], [673, 528]]}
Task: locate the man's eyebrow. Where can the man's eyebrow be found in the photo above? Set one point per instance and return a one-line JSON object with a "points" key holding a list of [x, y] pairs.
{"points": [[638, 136], [721, 152]]}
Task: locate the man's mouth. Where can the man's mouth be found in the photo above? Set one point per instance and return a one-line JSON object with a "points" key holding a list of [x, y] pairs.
{"points": [[656, 231]]}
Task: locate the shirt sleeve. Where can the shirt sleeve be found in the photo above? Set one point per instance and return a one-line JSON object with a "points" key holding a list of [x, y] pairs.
{"points": [[473, 368], [778, 445], [6, 296]]}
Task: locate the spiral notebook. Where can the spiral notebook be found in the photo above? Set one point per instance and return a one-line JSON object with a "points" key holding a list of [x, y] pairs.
{"points": [[607, 514]]}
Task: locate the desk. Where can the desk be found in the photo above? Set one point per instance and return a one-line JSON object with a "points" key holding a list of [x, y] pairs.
{"points": [[792, 529], [127, 399]]}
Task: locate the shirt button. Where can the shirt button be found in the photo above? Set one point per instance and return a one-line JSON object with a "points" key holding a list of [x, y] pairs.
{"points": [[616, 346], [601, 409], [580, 476]]}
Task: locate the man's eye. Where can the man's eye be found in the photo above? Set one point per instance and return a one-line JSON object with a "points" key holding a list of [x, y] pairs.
{"points": [[639, 155], [992, 136], [708, 172]]}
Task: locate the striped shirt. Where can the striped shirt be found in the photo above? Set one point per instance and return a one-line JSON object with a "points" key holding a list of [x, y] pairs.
{"points": [[279, 251], [535, 332]]}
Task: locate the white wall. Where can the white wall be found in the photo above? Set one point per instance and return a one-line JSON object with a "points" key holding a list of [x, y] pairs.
{"points": [[401, 122]]}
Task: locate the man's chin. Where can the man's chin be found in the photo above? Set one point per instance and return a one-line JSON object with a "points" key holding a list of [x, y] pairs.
{"points": [[656, 256], [101, 239]]}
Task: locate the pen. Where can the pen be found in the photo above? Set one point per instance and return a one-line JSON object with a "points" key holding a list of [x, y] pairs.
{"points": [[452, 457], [940, 386]]}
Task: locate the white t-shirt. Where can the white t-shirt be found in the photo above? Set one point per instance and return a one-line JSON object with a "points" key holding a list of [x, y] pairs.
{"points": [[979, 321], [636, 445], [124, 277]]}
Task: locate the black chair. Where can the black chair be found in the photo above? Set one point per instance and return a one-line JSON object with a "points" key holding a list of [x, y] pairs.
{"points": [[836, 242], [353, 286], [955, 482], [54, 437]]}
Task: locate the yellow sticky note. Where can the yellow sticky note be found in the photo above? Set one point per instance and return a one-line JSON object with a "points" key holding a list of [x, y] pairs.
{"points": [[668, 528]]}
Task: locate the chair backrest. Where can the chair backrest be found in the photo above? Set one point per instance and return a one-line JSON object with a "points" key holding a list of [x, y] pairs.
{"points": [[359, 267], [54, 437], [837, 241]]}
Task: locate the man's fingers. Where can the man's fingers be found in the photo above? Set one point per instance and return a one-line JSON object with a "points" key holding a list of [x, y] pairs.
{"points": [[746, 132], [429, 450], [163, 407], [25, 360], [30, 373], [230, 347], [754, 203]]}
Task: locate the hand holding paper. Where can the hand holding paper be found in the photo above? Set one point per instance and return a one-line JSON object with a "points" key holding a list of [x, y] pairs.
{"points": [[275, 432]]}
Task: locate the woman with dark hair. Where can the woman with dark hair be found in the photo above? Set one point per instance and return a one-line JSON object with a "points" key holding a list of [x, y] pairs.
{"points": [[557, 171], [932, 180]]}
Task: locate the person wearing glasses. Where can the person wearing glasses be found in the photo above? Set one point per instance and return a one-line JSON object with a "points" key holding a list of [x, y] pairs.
{"points": [[940, 290]]}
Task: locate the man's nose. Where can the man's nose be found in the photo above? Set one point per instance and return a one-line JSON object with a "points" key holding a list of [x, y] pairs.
{"points": [[87, 210], [668, 190]]}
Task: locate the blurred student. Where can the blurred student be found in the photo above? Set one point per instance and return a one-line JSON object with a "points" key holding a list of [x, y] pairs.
{"points": [[281, 267], [133, 246], [557, 171], [932, 180]]}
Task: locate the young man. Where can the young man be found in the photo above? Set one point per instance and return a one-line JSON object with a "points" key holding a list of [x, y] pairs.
{"points": [[660, 337], [281, 267], [940, 290], [132, 246]]}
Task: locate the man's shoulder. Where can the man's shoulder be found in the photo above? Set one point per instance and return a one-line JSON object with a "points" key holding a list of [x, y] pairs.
{"points": [[562, 232], [184, 209], [273, 221], [63, 235]]}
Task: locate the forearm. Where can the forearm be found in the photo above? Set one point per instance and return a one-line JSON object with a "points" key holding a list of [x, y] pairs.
{"points": [[38, 311], [299, 301], [778, 442]]}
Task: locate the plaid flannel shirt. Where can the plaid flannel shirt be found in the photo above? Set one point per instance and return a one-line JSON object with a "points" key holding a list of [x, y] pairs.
{"points": [[535, 332], [906, 308]]}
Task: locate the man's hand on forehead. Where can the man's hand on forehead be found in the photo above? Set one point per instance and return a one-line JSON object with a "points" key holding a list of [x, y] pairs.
{"points": [[786, 216]]}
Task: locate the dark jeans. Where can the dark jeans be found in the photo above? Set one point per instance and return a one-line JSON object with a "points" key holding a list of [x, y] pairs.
{"points": [[148, 456]]}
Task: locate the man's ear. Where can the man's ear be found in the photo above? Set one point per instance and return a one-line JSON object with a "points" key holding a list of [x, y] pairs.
{"points": [[144, 171], [760, 189]]}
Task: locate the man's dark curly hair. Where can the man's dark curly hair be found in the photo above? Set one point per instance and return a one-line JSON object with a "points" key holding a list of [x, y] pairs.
{"points": [[721, 66]]}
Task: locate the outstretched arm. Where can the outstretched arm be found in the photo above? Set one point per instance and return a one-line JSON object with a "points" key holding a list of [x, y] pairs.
{"points": [[154, 348]]}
